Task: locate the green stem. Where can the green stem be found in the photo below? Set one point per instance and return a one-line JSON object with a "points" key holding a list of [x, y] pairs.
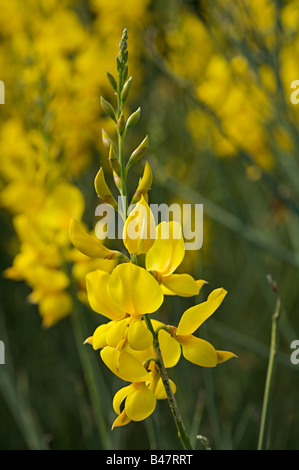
{"points": [[170, 396], [264, 426]]}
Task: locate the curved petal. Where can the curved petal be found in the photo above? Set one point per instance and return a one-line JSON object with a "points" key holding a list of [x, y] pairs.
{"points": [[124, 365], [117, 332], [98, 339], [139, 229], [134, 290], [223, 356], [140, 403], [170, 349], [121, 420], [120, 396], [99, 300], [198, 351], [195, 316], [85, 243], [183, 285], [140, 354], [168, 250], [139, 336], [160, 390]]}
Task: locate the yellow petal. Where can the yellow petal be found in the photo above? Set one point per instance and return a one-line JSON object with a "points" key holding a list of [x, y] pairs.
{"points": [[99, 336], [117, 332], [120, 396], [87, 245], [124, 365], [168, 251], [160, 390], [97, 293], [170, 349], [54, 307], [180, 284], [103, 190], [134, 290], [140, 403], [121, 420], [198, 351], [195, 316], [223, 356], [139, 229], [139, 336], [144, 184]]}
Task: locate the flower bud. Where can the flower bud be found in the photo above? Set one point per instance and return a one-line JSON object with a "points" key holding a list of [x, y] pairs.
{"points": [[106, 139], [133, 119], [108, 109], [113, 160], [121, 124], [138, 153], [102, 189], [112, 81], [144, 184], [126, 90]]}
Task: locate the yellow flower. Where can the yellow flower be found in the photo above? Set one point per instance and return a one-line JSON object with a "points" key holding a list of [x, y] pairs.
{"points": [[124, 296], [165, 256], [139, 229], [140, 398], [140, 402], [195, 350]]}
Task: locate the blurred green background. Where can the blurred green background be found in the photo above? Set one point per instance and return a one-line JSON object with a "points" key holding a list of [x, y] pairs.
{"points": [[213, 80]]}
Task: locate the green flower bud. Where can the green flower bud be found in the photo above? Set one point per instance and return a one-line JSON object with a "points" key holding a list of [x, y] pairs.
{"points": [[108, 109], [112, 81], [126, 90], [113, 160], [133, 119], [106, 139], [138, 153], [121, 125]]}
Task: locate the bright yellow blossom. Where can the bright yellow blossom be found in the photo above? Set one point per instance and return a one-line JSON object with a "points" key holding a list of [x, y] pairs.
{"points": [[195, 350], [139, 229], [140, 398], [165, 256], [124, 296]]}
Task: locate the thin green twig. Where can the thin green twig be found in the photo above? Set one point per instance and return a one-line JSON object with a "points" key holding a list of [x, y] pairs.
{"points": [[265, 418]]}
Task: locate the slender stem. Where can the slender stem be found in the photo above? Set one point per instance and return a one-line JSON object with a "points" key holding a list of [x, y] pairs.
{"points": [[264, 426], [170, 396]]}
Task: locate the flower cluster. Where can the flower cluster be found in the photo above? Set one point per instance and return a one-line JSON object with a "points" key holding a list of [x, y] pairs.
{"points": [[135, 347], [241, 86], [48, 55]]}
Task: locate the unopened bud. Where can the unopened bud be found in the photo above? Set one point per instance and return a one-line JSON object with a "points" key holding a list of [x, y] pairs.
{"points": [[121, 124], [106, 139], [108, 109], [133, 119], [144, 184], [113, 160], [138, 153], [112, 81], [126, 90], [102, 189], [117, 180]]}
